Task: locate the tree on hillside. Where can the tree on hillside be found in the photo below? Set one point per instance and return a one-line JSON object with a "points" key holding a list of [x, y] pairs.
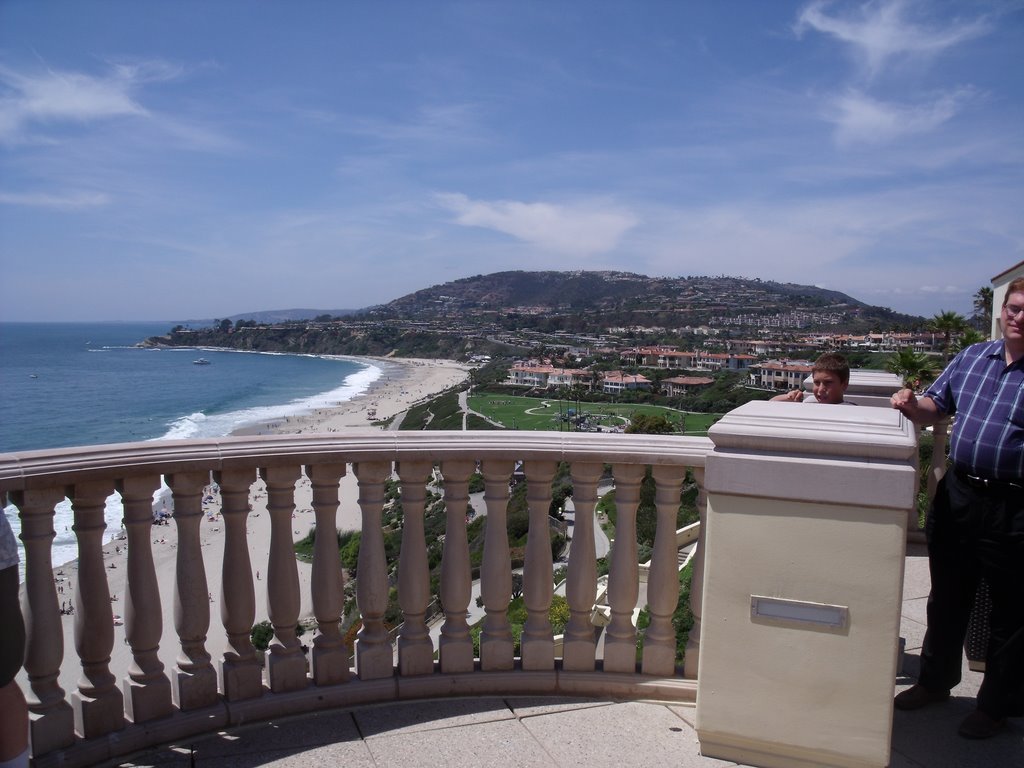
{"points": [[982, 316], [915, 368], [949, 324]]}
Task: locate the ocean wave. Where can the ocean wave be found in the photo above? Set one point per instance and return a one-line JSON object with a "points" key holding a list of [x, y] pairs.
{"points": [[199, 425]]}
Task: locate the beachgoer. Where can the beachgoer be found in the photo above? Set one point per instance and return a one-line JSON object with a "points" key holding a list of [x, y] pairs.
{"points": [[830, 376], [14, 723], [975, 528]]}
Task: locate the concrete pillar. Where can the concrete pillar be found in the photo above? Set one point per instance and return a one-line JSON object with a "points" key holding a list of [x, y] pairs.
{"points": [[804, 547]]}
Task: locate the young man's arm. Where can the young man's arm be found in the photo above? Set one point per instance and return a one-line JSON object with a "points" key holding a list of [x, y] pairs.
{"points": [[793, 396]]}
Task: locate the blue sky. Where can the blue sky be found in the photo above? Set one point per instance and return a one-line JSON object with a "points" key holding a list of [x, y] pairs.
{"points": [[179, 160]]}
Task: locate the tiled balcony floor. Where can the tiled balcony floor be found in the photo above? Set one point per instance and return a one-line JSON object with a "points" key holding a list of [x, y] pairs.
{"points": [[530, 731]]}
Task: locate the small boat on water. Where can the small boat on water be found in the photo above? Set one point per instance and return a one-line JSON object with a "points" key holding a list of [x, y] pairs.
{"points": [[201, 361]]}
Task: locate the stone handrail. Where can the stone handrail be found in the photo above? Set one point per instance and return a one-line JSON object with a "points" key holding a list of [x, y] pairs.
{"points": [[159, 699]]}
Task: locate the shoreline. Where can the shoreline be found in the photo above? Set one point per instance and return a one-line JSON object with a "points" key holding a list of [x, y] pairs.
{"points": [[403, 383]]}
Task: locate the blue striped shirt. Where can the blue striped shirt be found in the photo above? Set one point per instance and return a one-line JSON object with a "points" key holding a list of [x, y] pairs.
{"points": [[987, 396]]}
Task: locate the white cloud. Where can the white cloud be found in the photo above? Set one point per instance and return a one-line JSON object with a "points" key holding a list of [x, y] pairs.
{"points": [[860, 119], [579, 229], [435, 124], [32, 101], [882, 30], [45, 200]]}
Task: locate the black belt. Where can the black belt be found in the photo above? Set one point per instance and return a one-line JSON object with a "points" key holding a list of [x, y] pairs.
{"points": [[988, 483]]}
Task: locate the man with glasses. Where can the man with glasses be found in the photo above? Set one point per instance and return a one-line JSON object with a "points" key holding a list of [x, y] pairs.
{"points": [[975, 527]]}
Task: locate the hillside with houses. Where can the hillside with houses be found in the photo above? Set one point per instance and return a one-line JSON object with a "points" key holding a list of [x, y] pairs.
{"points": [[689, 341]]}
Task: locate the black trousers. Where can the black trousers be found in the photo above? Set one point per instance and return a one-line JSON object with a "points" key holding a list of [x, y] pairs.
{"points": [[973, 533]]}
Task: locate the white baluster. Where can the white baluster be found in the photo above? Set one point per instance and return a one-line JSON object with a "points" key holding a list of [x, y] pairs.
{"points": [[623, 578], [98, 704], [663, 582], [374, 656], [537, 643], [329, 657], [239, 668], [51, 720], [455, 645], [690, 660], [147, 689], [285, 663], [497, 649], [579, 645], [194, 680], [415, 650]]}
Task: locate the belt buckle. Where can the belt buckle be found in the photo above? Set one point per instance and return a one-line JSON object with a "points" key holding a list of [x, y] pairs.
{"points": [[981, 482]]}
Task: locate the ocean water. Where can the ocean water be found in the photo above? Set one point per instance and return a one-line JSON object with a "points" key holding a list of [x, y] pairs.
{"points": [[68, 384]]}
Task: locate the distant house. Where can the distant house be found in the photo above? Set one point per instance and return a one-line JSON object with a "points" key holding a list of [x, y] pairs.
{"points": [[684, 385], [529, 375], [675, 360], [718, 361], [754, 347], [615, 382], [665, 358], [780, 374], [545, 376]]}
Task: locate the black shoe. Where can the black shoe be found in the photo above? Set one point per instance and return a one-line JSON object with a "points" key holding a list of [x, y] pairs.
{"points": [[979, 725], [918, 696]]}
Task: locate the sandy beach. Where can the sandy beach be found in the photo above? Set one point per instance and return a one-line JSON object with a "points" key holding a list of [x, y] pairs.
{"points": [[403, 383]]}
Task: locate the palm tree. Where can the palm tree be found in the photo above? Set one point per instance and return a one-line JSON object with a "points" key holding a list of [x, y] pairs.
{"points": [[949, 324], [968, 337], [915, 368], [983, 308]]}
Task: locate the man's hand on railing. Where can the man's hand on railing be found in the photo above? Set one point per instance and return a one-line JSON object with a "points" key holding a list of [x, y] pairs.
{"points": [[921, 411]]}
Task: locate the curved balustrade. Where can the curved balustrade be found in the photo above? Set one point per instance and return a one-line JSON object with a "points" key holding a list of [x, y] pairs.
{"points": [[170, 693]]}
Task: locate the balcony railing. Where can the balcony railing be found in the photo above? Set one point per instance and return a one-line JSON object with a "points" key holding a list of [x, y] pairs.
{"points": [[805, 512], [174, 692]]}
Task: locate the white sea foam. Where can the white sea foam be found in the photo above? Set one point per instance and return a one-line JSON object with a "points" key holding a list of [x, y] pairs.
{"points": [[200, 425]]}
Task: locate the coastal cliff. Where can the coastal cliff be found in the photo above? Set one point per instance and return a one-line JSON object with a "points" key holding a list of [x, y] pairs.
{"points": [[334, 338]]}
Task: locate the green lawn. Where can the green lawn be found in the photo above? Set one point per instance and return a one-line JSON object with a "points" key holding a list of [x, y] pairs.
{"points": [[550, 414]]}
